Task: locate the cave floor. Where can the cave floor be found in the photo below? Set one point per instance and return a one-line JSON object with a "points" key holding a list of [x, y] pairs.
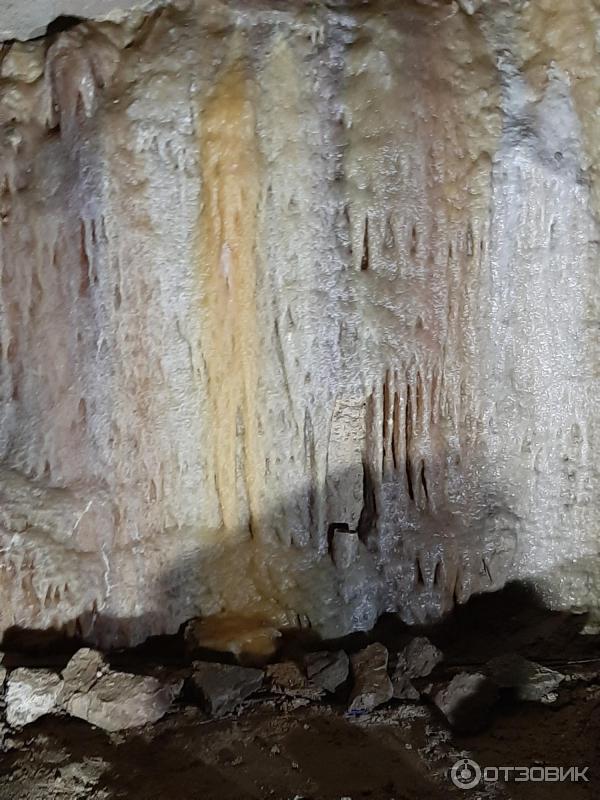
{"points": [[290, 748], [311, 752]]}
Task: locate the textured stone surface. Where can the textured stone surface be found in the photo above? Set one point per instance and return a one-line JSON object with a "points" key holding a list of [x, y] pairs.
{"points": [[530, 681], [26, 19], [266, 272], [328, 670], [288, 678], [222, 687], [467, 701], [82, 672], [418, 658], [403, 687], [372, 686], [118, 701], [30, 694]]}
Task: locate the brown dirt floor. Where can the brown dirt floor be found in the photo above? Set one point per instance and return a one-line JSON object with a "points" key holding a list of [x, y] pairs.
{"points": [[279, 748]]}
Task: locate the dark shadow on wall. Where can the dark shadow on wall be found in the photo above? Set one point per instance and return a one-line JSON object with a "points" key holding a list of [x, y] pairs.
{"points": [[513, 619], [487, 623], [291, 541], [318, 753]]}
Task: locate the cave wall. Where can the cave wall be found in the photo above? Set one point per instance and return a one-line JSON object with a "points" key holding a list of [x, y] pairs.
{"points": [[268, 269]]}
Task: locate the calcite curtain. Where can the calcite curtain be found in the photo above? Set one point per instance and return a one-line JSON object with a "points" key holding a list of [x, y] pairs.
{"points": [[299, 314]]}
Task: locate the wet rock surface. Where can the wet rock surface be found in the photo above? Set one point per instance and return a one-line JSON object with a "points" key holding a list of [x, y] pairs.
{"points": [[251, 641]]}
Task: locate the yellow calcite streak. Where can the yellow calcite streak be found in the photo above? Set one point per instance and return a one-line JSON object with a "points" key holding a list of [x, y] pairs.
{"points": [[230, 172]]}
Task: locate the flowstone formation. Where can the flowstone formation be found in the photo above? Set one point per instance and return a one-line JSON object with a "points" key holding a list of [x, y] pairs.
{"points": [[299, 314]]}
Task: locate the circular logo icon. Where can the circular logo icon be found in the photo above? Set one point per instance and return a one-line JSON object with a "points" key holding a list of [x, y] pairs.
{"points": [[465, 773]]}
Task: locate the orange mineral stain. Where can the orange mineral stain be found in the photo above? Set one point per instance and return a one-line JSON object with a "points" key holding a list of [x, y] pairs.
{"points": [[230, 174]]}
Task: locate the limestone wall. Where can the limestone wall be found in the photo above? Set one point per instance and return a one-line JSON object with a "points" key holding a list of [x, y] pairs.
{"points": [[270, 268]]}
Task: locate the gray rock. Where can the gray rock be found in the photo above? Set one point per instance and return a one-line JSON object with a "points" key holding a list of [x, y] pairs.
{"points": [[82, 672], [344, 547], [466, 701], [530, 681], [222, 687], [30, 694], [118, 701], [327, 670], [404, 689], [418, 658], [372, 684]]}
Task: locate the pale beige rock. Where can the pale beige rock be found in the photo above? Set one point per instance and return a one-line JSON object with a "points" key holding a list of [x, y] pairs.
{"points": [[84, 669], [30, 694], [24, 62], [119, 701]]}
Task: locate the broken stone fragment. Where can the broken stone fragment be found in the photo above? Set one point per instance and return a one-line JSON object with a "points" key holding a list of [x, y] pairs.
{"points": [[418, 658], [222, 687], [118, 700], [82, 672], [287, 678], [372, 684], [404, 688], [30, 694], [528, 680], [327, 670], [466, 701]]}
